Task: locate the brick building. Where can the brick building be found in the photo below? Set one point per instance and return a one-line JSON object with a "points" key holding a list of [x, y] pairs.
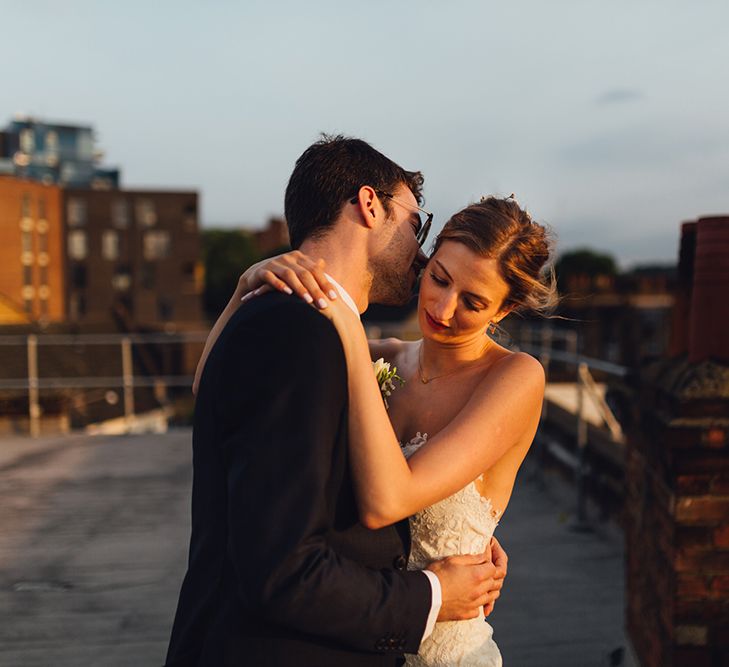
{"points": [[132, 257], [677, 471], [32, 257], [108, 258], [274, 237], [76, 249], [622, 318]]}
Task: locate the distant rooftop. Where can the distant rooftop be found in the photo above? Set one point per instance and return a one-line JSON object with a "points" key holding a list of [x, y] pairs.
{"points": [[54, 153]]}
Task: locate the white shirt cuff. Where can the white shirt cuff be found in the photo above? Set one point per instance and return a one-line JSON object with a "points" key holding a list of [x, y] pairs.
{"points": [[436, 602]]}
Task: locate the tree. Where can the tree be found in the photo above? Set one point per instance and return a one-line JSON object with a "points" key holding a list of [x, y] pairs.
{"points": [[584, 267], [227, 254]]}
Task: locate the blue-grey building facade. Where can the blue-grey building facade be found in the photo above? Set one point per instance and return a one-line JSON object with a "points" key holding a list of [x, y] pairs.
{"points": [[54, 153]]}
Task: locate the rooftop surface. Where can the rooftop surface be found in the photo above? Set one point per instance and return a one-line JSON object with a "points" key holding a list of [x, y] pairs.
{"points": [[94, 543]]}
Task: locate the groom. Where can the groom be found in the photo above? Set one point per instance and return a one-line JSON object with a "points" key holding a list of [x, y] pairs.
{"points": [[281, 572]]}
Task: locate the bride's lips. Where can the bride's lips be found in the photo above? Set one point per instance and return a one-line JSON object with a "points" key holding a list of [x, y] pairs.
{"points": [[434, 324]]}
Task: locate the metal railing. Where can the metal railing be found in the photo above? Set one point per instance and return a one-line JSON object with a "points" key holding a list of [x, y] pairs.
{"points": [[540, 343], [33, 383]]}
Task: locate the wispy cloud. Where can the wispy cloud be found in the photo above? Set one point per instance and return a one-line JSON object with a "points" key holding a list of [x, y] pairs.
{"points": [[618, 96]]}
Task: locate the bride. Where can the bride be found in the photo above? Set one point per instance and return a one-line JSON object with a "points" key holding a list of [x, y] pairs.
{"points": [[447, 451]]}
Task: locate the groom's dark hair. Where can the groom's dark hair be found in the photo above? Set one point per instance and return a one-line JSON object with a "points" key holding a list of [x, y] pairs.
{"points": [[329, 173]]}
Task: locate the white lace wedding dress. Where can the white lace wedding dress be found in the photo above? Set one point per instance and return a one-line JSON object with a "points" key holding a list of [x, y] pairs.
{"points": [[460, 524]]}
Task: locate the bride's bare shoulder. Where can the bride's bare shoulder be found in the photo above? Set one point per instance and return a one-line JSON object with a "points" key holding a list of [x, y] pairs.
{"points": [[515, 364]]}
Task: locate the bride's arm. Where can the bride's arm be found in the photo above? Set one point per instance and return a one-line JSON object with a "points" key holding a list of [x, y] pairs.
{"points": [[498, 416]]}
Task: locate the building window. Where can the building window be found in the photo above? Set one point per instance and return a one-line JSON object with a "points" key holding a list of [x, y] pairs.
{"points": [[77, 305], [78, 276], [42, 228], [188, 270], [27, 140], [25, 206], [42, 208], [164, 308], [156, 245], [51, 148], [69, 172], [27, 242], [110, 244], [120, 213], [85, 145], [190, 217], [121, 281], [147, 275], [28, 275], [43, 276], [76, 212], [77, 245], [52, 141], [146, 213]]}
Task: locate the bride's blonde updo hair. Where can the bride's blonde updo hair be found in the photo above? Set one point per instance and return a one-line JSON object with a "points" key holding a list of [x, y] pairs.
{"points": [[500, 229]]}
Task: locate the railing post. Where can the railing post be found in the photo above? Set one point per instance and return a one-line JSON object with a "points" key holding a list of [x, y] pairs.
{"points": [[581, 447], [544, 357], [33, 404], [128, 379], [545, 350]]}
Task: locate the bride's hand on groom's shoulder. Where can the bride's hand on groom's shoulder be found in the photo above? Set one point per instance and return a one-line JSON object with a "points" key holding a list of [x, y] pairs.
{"points": [[293, 273], [299, 274]]}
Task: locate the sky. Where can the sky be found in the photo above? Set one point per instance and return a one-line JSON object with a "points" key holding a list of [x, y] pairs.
{"points": [[607, 120]]}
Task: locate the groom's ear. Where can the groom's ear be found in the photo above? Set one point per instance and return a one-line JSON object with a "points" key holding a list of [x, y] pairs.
{"points": [[369, 205]]}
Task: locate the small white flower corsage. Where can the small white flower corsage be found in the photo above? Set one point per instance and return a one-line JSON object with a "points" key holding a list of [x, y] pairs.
{"points": [[385, 376]]}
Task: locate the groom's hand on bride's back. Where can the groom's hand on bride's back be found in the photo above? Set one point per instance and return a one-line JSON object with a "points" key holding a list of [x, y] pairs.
{"points": [[468, 583], [500, 561]]}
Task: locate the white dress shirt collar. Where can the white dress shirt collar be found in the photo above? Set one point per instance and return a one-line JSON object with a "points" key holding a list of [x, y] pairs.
{"points": [[344, 294]]}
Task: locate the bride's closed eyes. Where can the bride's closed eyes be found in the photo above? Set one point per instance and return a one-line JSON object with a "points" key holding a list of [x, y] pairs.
{"points": [[442, 282]]}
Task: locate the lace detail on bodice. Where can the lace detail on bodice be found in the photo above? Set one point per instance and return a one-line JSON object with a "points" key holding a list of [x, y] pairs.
{"points": [[460, 524]]}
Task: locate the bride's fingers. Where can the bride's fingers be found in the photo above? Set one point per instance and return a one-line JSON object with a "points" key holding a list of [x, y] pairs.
{"points": [[310, 274], [313, 286], [266, 275], [324, 285], [256, 292], [499, 556], [293, 279], [287, 280]]}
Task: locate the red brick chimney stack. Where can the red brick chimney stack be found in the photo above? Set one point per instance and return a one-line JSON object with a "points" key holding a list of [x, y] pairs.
{"points": [[709, 313], [682, 304], [677, 471]]}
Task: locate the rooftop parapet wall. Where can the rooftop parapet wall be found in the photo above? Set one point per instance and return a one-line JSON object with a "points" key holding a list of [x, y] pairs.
{"points": [[677, 476]]}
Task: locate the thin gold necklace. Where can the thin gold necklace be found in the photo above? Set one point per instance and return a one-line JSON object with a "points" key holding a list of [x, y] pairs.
{"points": [[426, 380]]}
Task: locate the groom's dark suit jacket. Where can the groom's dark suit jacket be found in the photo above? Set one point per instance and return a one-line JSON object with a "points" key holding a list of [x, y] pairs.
{"points": [[280, 570]]}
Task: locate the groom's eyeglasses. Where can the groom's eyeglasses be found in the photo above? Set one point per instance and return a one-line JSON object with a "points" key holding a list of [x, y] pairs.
{"points": [[422, 231]]}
